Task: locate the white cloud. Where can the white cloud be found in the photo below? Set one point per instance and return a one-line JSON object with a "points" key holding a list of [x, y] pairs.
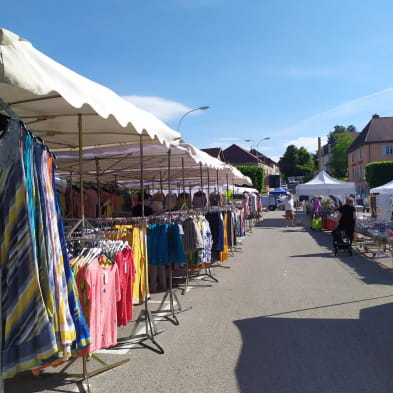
{"points": [[309, 143], [357, 112], [307, 72], [164, 109]]}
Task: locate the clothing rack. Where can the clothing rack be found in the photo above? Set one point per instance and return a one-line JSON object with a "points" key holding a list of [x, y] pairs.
{"points": [[175, 215], [85, 374], [170, 314], [145, 315]]}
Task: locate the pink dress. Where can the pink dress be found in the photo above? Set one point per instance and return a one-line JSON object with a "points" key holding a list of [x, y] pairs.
{"points": [[103, 293]]}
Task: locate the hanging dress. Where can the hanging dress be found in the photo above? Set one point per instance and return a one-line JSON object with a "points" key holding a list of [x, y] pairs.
{"points": [[28, 336]]}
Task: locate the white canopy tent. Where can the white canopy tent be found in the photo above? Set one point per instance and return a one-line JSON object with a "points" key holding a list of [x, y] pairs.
{"points": [[240, 190], [122, 164], [384, 189], [324, 184], [57, 102]]}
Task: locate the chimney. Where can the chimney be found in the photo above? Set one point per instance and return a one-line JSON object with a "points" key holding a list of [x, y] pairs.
{"points": [[375, 116]]}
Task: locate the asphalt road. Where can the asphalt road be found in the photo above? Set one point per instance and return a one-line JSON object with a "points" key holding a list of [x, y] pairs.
{"points": [[285, 317]]}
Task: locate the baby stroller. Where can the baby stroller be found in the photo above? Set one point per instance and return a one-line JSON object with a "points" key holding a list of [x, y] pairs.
{"points": [[341, 241]]}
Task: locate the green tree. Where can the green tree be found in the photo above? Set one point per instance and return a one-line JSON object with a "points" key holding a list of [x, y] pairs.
{"points": [[339, 130], [287, 162], [339, 160], [304, 162], [255, 173], [296, 162]]}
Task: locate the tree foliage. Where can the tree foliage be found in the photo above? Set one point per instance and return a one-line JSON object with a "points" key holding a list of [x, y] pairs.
{"points": [[378, 173], [339, 130], [296, 162], [255, 173], [339, 160]]}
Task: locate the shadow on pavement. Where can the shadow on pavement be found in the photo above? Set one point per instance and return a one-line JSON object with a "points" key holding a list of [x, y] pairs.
{"points": [[315, 255], [370, 272], [271, 223], [295, 355], [26, 382]]}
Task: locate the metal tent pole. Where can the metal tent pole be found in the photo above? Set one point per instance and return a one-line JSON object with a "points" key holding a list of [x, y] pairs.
{"points": [[208, 187], [200, 172], [145, 315], [171, 293], [98, 186], [227, 196], [71, 196], [217, 185], [82, 199]]}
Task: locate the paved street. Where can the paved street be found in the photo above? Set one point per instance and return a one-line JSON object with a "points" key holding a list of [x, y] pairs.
{"points": [[285, 317]]}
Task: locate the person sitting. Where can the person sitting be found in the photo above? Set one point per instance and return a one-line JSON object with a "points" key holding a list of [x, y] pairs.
{"points": [[137, 209]]}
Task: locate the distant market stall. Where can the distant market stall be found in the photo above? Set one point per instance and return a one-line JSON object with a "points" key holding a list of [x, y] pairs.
{"points": [[324, 184]]}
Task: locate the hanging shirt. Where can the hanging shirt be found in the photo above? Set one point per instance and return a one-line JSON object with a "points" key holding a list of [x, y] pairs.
{"points": [[125, 263], [192, 239], [103, 290]]}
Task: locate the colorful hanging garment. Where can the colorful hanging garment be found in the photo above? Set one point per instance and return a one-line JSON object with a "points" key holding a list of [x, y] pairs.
{"points": [[28, 336]]}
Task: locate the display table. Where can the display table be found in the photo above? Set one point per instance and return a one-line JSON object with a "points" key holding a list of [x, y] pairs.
{"points": [[376, 237]]}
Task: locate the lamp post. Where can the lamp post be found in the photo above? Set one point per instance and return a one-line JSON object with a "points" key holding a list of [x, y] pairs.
{"points": [[257, 143], [201, 108]]}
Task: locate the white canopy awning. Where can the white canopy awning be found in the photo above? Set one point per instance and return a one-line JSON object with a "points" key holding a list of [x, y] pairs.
{"points": [[324, 184], [50, 97], [384, 189], [122, 163]]}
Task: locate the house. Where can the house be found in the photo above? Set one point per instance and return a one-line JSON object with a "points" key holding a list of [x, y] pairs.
{"points": [[215, 152], [374, 143], [236, 155]]}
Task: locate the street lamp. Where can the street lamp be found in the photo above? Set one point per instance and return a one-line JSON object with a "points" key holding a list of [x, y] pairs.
{"points": [[201, 108], [257, 143]]}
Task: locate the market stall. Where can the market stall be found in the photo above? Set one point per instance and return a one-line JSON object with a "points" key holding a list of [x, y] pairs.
{"points": [[324, 184], [57, 108], [376, 231]]}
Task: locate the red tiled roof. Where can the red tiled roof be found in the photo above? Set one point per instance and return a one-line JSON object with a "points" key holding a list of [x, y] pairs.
{"points": [[378, 129]]}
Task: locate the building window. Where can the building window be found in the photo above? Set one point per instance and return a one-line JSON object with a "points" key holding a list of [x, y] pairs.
{"points": [[361, 173], [353, 157], [353, 174], [387, 150], [360, 154]]}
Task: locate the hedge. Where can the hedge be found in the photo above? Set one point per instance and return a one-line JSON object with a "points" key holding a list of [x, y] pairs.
{"points": [[255, 173], [379, 173]]}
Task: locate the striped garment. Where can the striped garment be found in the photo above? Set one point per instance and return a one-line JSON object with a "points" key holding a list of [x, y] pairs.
{"points": [[41, 312], [28, 335]]}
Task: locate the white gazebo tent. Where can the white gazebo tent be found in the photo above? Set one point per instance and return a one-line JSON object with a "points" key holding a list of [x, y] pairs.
{"points": [[384, 201], [324, 184], [384, 189]]}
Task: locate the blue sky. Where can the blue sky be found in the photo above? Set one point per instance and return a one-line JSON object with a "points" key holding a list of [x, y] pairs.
{"points": [[288, 70]]}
